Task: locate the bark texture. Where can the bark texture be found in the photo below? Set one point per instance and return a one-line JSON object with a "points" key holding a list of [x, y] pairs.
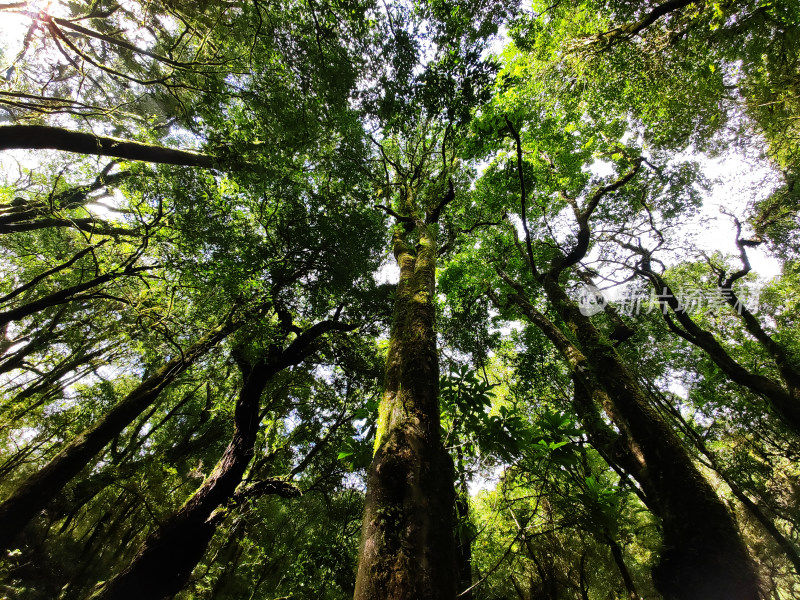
{"points": [[619, 560], [407, 545], [703, 556], [164, 563]]}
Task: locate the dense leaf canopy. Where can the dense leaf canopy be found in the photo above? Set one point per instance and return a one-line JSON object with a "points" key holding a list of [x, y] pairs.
{"points": [[272, 269]]}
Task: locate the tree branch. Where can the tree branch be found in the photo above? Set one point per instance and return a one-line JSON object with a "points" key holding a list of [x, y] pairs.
{"points": [[43, 137], [522, 196]]}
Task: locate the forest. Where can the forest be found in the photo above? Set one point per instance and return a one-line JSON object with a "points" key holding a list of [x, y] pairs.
{"points": [[399, 300]]}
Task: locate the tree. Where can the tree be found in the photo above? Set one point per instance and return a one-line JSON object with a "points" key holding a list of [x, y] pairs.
{"points": [[210, 383]]}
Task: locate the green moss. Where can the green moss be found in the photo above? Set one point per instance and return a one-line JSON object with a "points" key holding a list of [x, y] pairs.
{"points": [[382, 427]]}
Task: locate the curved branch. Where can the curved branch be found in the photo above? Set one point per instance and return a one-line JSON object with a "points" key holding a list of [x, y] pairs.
{"points": [[560, 263]]}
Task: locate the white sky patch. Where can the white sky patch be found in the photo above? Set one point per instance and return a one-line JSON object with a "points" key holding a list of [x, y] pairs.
{"points": [[602, 168], [108, 206], [739, 182], [485, 481], [12, 31], [388, 272], [292, 422]]}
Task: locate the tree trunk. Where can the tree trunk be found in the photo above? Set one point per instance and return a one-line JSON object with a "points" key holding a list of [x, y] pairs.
{"points": [[784, 401], [33, 137], [41, 487], [464, 546], [784, 543], [165, 561], [407, 542], [66, 295], [627, 580], [703, 557], [582, 584]]}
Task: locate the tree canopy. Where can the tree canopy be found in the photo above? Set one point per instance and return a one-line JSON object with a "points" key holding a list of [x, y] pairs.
{"points": [[399, 300]]}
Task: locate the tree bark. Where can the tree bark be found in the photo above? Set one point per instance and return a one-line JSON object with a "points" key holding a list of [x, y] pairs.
{"points": [[407, 542], [43, 137], [784, 543], [464, 542], [89, 225], [703, 557], [41, 487], [619, 560], [165, 561], [582, 584]]}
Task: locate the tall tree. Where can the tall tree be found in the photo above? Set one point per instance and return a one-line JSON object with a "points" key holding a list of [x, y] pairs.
{"points": [[407, 544]]}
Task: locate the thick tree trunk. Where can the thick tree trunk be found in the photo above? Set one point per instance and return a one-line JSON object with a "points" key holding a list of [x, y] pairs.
{"points": [[89, 225], [703, 557], [408, 543], [41, 487], [612, 446], [784, 543]]}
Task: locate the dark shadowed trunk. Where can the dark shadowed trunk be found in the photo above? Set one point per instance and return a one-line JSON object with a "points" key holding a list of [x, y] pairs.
{"points": [[783, 542], [464, 545], [619, 560], [166, 560], [703, 557], [584, 588], [164, 563], [407, 543], [41, 487]]}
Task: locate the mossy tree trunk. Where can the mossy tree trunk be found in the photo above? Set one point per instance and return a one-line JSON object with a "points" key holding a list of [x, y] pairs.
{"points": [[703, 556], [407, 545], [40, 488]]}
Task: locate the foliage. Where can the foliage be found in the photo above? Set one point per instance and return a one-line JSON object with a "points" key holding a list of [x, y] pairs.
{"points": [[513, 137]]}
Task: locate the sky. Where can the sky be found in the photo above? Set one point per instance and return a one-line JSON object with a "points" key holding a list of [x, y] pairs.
{"points": [[12, 32]]}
